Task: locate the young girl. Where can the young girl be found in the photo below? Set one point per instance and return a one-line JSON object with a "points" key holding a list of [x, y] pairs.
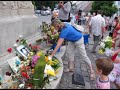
{"points": [[104, 67], [115, 74]]}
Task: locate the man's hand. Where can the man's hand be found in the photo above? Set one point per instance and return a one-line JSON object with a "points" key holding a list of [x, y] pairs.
{"points": [[61, 4]]}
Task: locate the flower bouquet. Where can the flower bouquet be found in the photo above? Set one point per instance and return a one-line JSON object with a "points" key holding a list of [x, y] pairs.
{"points": [[35, 70], [55, 63], [106, 46]]}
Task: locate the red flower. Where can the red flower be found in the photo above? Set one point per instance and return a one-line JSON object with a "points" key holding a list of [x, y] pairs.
{"points": [[35, 47], [30, 45], [29, 85], [27, 67], [8, 73], [24, 74], [17, 40], [9, 50]]}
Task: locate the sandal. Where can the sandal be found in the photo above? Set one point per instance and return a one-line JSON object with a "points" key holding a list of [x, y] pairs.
{"points": [[92, 76]]}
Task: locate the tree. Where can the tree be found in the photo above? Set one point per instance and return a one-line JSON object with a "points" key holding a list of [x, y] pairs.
{"points": [[108, 8], [39, 4]]}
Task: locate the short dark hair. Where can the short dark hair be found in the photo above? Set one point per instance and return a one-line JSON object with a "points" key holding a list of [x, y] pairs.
{"points": [[104, 64], [99, 12], [116, 18]]}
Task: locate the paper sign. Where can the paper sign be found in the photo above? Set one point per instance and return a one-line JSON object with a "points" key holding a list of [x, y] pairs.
{"points": [[14, 63]]}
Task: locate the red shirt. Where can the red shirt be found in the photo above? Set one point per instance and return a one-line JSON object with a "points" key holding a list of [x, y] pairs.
{"points": [[77, 17]]}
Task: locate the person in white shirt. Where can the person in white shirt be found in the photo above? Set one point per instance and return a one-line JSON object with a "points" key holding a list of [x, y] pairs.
{"points": [[97, 25]]}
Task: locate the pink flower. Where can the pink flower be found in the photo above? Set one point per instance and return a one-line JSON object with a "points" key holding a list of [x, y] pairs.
{"points": [[54, 33], [34, 60]]}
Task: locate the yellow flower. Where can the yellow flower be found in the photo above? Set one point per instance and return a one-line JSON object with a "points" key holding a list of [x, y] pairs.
{"points": [[50, 62], [46, 58], [31, 53], [51, 72], [33, 71], [39, 53], [101, 51]]}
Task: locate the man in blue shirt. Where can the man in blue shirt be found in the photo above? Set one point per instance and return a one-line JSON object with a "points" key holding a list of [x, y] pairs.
{"points": [[75, 38]]}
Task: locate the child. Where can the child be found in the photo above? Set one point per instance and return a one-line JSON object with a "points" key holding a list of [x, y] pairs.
{"points": [[104, 67], [115, 74], [86, 36]]}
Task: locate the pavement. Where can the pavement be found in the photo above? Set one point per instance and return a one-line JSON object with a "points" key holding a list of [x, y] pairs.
{"points": [[81, 67]]}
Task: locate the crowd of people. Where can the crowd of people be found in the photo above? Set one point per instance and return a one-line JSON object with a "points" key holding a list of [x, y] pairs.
{"points": [[107, 68]]}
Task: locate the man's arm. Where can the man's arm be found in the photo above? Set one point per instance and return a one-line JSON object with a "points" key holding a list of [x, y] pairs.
{"points": [[118, 37], [103, 26], [89, 25]]}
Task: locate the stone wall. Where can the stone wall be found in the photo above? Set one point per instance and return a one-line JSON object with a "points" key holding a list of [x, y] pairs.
{"points": [[16, 17]]}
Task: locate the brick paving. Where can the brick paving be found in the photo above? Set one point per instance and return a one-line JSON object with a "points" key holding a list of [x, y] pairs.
{"points": [[82, 68]]}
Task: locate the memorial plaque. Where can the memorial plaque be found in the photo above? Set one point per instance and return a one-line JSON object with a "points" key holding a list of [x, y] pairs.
{"points": [[78, 79]]}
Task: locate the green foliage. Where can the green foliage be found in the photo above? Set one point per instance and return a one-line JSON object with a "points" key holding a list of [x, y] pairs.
{"points": [[40, 4], [108, 8], [39, 72]]}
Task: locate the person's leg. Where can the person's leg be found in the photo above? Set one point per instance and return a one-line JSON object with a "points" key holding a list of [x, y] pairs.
{"points": [[113, 37], [70, 52], [117, 82], [96, 42], [81, 47]]}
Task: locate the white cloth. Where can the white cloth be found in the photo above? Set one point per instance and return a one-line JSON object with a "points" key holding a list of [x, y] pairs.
{"points": [[96, 23]]}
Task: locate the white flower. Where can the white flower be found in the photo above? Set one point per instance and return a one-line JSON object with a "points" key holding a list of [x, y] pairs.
{"points": [[20, 36], [102, 44], [15, 45], [108, 52]]}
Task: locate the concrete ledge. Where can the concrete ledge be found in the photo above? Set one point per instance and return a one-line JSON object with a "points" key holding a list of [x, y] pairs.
{"points": [[53, 84]]}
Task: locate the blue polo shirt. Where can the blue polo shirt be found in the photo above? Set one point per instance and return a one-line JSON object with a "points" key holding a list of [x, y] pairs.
{"points": [[69, 33]]}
